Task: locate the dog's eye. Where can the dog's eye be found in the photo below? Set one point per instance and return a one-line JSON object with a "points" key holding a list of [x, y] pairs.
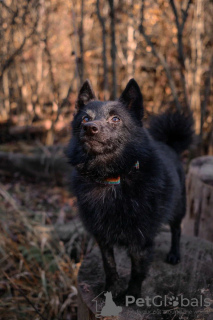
{"points": [[115, 119], [85, 119]]}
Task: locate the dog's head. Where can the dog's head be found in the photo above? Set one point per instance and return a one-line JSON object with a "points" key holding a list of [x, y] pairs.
{"points": [[103, 130], [102, 127]]}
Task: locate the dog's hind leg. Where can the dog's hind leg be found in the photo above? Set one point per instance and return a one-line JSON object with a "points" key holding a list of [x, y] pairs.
{"points": [[173, 256]]}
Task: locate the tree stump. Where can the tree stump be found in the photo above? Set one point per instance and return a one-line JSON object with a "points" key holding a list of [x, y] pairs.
{"points": [[168, 285], [199, 186]]}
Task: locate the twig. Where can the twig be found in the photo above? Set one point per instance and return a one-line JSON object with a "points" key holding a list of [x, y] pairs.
{"points": [[43, 148], [185, 13], [180, 27], [8, 198], [6, 6], [12, 202]]}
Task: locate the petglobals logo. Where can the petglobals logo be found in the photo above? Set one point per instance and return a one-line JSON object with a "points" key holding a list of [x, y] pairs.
{"points": [[165, 301], [108, 307]]}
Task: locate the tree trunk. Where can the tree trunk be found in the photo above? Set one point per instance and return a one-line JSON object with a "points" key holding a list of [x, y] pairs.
{"points": [[197, 56], [131, 43], [199, 216], [113, 49], [6, 93], [40, 49], [81, 43], [105, 65]]}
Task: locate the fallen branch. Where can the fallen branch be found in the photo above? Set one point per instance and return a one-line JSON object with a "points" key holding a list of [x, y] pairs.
{"points": [[37, 166], [37, 127]]}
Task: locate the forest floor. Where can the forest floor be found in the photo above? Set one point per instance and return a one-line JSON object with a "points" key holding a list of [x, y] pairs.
{"points": [[37, 277]]}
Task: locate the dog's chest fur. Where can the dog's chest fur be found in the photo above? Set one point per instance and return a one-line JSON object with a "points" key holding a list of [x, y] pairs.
{"points": [[120, 214]]}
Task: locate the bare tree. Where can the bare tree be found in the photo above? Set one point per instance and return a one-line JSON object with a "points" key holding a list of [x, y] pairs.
{"points": [[160, 57], [49, 58], [104, 56], [29, 7], [41, 45], [131, 43], [181, 56], [19, 20], [196, 61], [81, 43], [207, 92], [113, 49], [74, 44]]}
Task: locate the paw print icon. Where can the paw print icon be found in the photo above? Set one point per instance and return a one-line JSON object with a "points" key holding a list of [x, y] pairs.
{"points": [[173, 301]]}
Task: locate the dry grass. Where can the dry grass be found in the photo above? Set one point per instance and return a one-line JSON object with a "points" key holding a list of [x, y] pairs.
{"points": [[37, 278]]}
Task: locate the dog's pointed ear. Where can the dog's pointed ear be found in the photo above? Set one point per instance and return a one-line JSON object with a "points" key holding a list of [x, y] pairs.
{"points": [[132, 98], [85, 95]]}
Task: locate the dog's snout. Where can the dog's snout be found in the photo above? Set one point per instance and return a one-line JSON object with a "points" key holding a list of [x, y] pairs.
{"points": [[90, 128]]}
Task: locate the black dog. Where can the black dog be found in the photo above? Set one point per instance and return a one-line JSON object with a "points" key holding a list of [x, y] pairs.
{"points": [[128, 180]]}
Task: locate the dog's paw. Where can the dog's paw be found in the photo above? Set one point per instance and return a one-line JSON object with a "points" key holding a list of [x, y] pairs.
{"points": [[173, 258], [115, 288], [120, 299]]}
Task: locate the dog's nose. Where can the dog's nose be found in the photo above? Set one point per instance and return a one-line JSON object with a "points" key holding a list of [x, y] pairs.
{"points": [[90, 128]]}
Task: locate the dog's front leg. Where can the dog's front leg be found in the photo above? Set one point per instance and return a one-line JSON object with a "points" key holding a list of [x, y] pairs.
{"points": [[140, 265], [109, 264]]}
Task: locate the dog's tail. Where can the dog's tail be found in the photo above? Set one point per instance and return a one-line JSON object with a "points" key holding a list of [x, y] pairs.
{"points": [[174, 129]]}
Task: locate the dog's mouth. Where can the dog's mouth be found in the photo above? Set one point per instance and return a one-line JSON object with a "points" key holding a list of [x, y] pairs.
{"points": [[93, 145]]}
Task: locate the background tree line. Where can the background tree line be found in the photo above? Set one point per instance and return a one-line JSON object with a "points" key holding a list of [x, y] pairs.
{"points": [[49, 47]]}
